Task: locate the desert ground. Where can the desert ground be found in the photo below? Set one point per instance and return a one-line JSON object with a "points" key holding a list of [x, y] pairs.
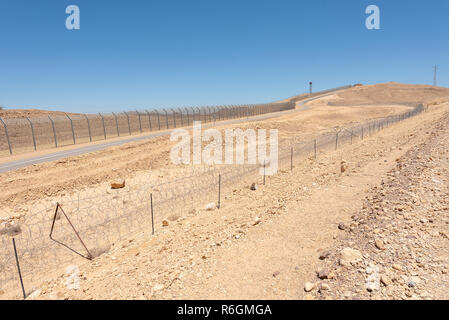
{"points": [[378, 230]]}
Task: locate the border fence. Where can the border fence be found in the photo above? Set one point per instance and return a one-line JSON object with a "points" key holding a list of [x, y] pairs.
{"points": [[82, 227], [27, 134]]}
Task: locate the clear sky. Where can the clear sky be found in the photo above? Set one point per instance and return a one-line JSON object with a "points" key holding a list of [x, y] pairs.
{"points": [[149, 54]]}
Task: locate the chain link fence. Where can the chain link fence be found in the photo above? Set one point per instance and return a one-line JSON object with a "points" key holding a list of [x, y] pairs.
{"points": [[85, 225], [21, 135]]}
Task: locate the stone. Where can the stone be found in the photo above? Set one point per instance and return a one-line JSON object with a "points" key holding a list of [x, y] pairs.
{"points": [[165, 223], [412, 284], [373, 279], [343, 166], [341, 226], [385, 280], [349, 256], [173, 217], [158, 287], [10, 229], [324, 287], [397, 267], [117, 185], [253, 187], [309, 286], [324, 255], [211, 206], [34, 295], [323, 274], [379, 244], [257, 220]]}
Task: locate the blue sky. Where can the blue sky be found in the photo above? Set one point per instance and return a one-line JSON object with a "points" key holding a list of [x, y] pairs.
{"points": [[150, 54]]}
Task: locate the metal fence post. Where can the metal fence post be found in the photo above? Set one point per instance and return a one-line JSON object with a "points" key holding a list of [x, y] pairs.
{"points": [[152, 215], [187, 114], [129, 126], [18, 268], [116, 124], [88, 127], [199, 113], [166, 117], [71, 125], [140, 122], [54, 131], [7, 135], [32, 133], [158, 119], [149, 120], [219, 191], [264, 172], [180, 113], [174, 117], [291, 159], [104, 127]]}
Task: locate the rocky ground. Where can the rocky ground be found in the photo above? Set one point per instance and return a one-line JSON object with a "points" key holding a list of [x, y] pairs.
{"points": [[396, 246]]}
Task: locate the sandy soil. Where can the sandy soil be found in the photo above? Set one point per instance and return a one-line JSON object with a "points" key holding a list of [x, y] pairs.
{"points": [[260, 244], [23, 113]]}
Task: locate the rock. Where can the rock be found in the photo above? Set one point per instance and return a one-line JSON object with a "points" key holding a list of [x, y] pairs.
{"points": [[385, 280], [253, 187], [349, 256], [211, 206], [309, 286], [379, 244], [343, 166], [373, 279], [173, 217], [324, 287], [423, 220], [158, 287], [276, 273], [412, 284], [257, 220], [324, 254], [10, 229], [397, 267], [342, 226], [34, 295], [165, 223], [347, 294], [309, 297], [323, 274], [115, 185], [444, 234]]}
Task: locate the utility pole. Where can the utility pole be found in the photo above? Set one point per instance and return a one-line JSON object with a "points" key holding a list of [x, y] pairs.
{"points": [[435, 75]]}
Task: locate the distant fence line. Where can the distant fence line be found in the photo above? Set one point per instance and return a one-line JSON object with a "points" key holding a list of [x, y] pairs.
{"points": [[38, 133]]}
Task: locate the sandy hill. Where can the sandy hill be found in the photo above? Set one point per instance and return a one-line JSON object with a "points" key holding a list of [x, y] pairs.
{"points": [[387, 93], [22, 113]]}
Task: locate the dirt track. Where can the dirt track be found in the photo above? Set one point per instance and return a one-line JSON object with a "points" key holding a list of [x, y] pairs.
{"points": [[261, 244]]}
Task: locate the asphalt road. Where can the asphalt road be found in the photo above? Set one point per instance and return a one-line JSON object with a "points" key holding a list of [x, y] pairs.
{"points": [[13, 165]]}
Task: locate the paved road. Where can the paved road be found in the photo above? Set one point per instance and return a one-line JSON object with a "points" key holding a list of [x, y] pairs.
{"points": [[13, 165]]}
